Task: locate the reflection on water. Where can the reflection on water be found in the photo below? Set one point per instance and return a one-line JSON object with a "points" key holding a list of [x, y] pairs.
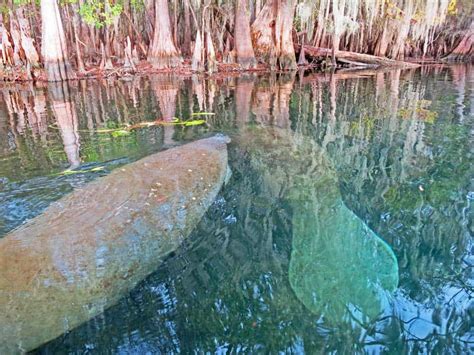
{"points": [[399, 144]]}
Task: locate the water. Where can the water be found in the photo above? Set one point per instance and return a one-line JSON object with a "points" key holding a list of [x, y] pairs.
{"points": [[346, 226]]}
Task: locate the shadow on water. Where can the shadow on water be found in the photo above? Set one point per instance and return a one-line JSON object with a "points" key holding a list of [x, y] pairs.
{"points": [[382, 155]]}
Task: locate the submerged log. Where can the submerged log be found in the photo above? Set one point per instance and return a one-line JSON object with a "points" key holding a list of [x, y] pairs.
{"points": [[354, 59], [90, 248]]}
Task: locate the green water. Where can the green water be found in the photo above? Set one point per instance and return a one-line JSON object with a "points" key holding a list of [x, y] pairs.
{"points": [[346, 226]]}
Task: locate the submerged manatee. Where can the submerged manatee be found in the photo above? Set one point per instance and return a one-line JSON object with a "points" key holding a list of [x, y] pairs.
{"points": [[93, 246], [339, 267]]}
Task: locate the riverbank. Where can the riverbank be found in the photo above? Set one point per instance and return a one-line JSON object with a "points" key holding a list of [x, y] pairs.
{"points": [[318, 64]]}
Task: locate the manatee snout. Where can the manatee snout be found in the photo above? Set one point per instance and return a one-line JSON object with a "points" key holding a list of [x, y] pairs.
{"points": [[222, 137]]}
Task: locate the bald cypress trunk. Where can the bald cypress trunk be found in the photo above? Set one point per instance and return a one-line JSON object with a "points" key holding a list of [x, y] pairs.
{"points": [[263, 34], [243, 41], [272, 34], [464, 51], [283, 34], [163, 53], [53, 47]]}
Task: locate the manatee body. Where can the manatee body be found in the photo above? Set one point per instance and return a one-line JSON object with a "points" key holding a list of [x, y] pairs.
{"points": [[339, 268], [91, 247]]}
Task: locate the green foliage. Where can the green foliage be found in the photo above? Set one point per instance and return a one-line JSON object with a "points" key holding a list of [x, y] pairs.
{"points": [[137, 4], [4, 10], [67, 2], [24, 2], [100, 13], [120, 133]]}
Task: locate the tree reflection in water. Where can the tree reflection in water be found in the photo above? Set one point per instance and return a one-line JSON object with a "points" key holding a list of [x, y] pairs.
{"points": [[400, 143]]}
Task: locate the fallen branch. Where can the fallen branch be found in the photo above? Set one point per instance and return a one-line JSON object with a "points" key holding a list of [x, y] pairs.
{"points": [[353, 58]]}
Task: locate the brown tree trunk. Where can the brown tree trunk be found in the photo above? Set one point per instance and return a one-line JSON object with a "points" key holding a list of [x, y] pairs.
{"points": [[356, 59], [163, 53], [283, 34], [464, 51], [187, 29], [198, 53], [272, 34], [27, 41], [53, 48], [263, 33], [243, 41], [382, 44]]}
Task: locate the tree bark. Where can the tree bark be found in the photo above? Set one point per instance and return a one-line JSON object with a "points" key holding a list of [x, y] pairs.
{"points": [[263, 32], [243, 41], [186, 48], [464, 51], [283, 34], [53, 46], [27, 41], [272, 34], [354, 58], [163, 53]]}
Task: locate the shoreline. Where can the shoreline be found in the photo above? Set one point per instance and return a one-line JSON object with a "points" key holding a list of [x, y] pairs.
{"points": [[144, 68], [22, 75]]}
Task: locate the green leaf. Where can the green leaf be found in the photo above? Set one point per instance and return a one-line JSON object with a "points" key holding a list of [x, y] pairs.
{"points": [[194, 123], [120, 133]]}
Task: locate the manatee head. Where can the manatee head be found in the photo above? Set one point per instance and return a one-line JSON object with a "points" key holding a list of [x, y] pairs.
{"points": [[222, 137], [218, 141]]}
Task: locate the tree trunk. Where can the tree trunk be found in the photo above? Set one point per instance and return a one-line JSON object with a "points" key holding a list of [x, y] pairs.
{"points": [[198, 60], [464, 51], [384, 39], [263, 32], [356, 59], [27, 41], [272, 34], [163, 53], [186, 49], [283, 34], [243, 41], [53, 47]]}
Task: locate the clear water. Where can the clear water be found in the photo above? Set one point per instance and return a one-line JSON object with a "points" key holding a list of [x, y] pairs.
{"points": [[337, 180]]}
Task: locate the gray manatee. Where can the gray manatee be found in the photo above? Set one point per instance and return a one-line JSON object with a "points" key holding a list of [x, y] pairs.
{"points": [[339, 268], [90, 248]]}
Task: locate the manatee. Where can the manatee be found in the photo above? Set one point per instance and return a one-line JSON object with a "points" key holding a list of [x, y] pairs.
{"points": [[90, 248], [339, 268]]}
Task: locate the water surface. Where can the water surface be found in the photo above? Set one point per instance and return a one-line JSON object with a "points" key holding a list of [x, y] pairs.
{"points": [[370, 170]]}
